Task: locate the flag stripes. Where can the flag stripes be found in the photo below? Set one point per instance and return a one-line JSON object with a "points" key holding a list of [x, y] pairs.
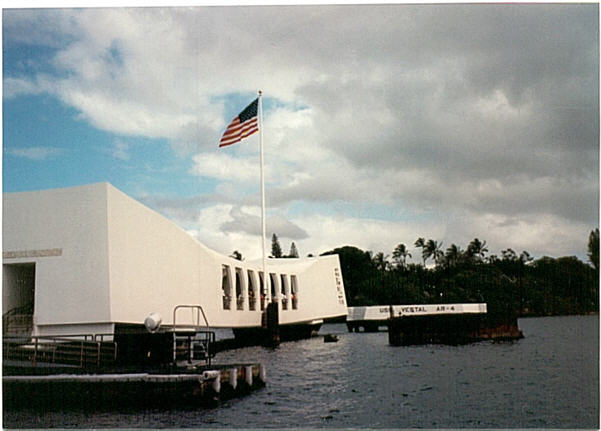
{"points": [[244, 125]]}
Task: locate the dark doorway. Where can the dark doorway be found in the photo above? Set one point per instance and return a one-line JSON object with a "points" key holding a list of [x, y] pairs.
{"points": [[18, 293]]}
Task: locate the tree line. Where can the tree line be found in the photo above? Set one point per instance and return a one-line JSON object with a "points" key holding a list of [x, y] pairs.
{"points": [[276, 250], [512, 284]]}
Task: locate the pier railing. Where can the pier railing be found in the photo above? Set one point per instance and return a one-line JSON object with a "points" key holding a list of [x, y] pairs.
{"points": [[87, 351]]}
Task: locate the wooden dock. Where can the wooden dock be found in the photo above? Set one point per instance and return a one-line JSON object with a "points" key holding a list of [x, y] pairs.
{"points": [[184, 387]]}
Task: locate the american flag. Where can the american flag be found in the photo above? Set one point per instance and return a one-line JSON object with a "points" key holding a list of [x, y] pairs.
{"points": [[244, 125]]}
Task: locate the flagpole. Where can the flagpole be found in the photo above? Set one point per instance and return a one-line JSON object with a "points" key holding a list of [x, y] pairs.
{"points": [[265, 275]]}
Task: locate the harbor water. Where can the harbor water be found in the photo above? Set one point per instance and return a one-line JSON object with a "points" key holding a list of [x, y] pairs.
{"points": [[549, 379]]}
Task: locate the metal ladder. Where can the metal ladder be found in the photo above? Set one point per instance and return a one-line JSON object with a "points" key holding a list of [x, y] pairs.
{"points": [[191, 343]]}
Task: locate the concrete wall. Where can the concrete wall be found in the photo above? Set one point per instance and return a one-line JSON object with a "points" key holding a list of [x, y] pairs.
{"points": [[153, 264], [64, 232]]}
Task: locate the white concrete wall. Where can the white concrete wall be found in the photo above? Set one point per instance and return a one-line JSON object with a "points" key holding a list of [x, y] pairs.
{"points": [[71, 287], [155, 266], [113, 260], [318, 295]]}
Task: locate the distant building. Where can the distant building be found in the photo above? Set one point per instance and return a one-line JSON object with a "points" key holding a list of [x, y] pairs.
{"points": [[91, 260]]}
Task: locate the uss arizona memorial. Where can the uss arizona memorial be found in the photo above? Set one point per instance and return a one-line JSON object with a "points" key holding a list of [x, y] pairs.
{"points": [[91, 260]]}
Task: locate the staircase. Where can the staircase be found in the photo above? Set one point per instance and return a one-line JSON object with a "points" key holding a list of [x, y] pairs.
{"points": [[18, 321]]}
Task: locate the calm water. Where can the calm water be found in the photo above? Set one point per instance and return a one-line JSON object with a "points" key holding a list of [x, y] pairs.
{"points": [[550, 379]]}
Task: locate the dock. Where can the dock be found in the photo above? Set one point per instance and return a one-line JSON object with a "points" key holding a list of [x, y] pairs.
{"points": [[157, 369], [195, 387], [433, 323]]}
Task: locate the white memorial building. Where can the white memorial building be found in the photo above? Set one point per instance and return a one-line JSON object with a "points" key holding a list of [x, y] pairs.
{"points": [[84, 260]]}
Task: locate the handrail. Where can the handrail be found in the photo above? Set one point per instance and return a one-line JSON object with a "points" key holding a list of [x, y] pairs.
{"points": [[198, 309], [63, 350], [209, 336]]}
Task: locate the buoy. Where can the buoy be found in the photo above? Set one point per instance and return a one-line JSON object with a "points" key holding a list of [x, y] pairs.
{"points": [[153, 322]]}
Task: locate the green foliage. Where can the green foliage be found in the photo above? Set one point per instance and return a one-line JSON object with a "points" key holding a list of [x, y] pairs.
{"points": [[237, 255], [276, 249], [593, 248], [357, 273], [293, 251], [400, 255], [512, 284]]}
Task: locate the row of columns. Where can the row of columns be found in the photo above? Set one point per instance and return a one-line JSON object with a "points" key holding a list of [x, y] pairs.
{"points": [[241, 301]]}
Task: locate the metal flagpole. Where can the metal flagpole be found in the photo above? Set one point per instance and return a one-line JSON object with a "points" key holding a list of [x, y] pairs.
{"points": [[265, 275]]}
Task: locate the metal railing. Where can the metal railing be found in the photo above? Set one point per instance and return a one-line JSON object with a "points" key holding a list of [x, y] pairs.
{"points": [[88, 350], [190, 342]]}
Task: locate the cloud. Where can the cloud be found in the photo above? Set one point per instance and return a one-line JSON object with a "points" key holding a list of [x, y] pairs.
{"points": [[14, 87], [120, 149], [245, 222], [35, 153], [223, 166], [459, 115]]}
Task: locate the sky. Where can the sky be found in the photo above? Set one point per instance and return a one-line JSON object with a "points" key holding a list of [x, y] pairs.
{"points": [[381, 123]]}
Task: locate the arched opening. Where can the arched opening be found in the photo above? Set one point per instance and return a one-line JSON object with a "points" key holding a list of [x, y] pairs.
{"points": [[252, 291], [226, 287], [294, 291], [285, 291], [239, 289], [273, 278], [263, 290], [18, 292]]}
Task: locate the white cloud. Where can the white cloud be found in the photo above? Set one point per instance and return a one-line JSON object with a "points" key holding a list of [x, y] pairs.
{"points": [[13, 87], [35, 153], [120, 150], [222, 166], [469, 115]]}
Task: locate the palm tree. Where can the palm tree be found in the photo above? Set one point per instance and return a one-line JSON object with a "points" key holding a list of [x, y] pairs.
{"points": [[453, 254], [381, 261], [433, 249], [476, 248], [400, 254], [421, 242]]}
